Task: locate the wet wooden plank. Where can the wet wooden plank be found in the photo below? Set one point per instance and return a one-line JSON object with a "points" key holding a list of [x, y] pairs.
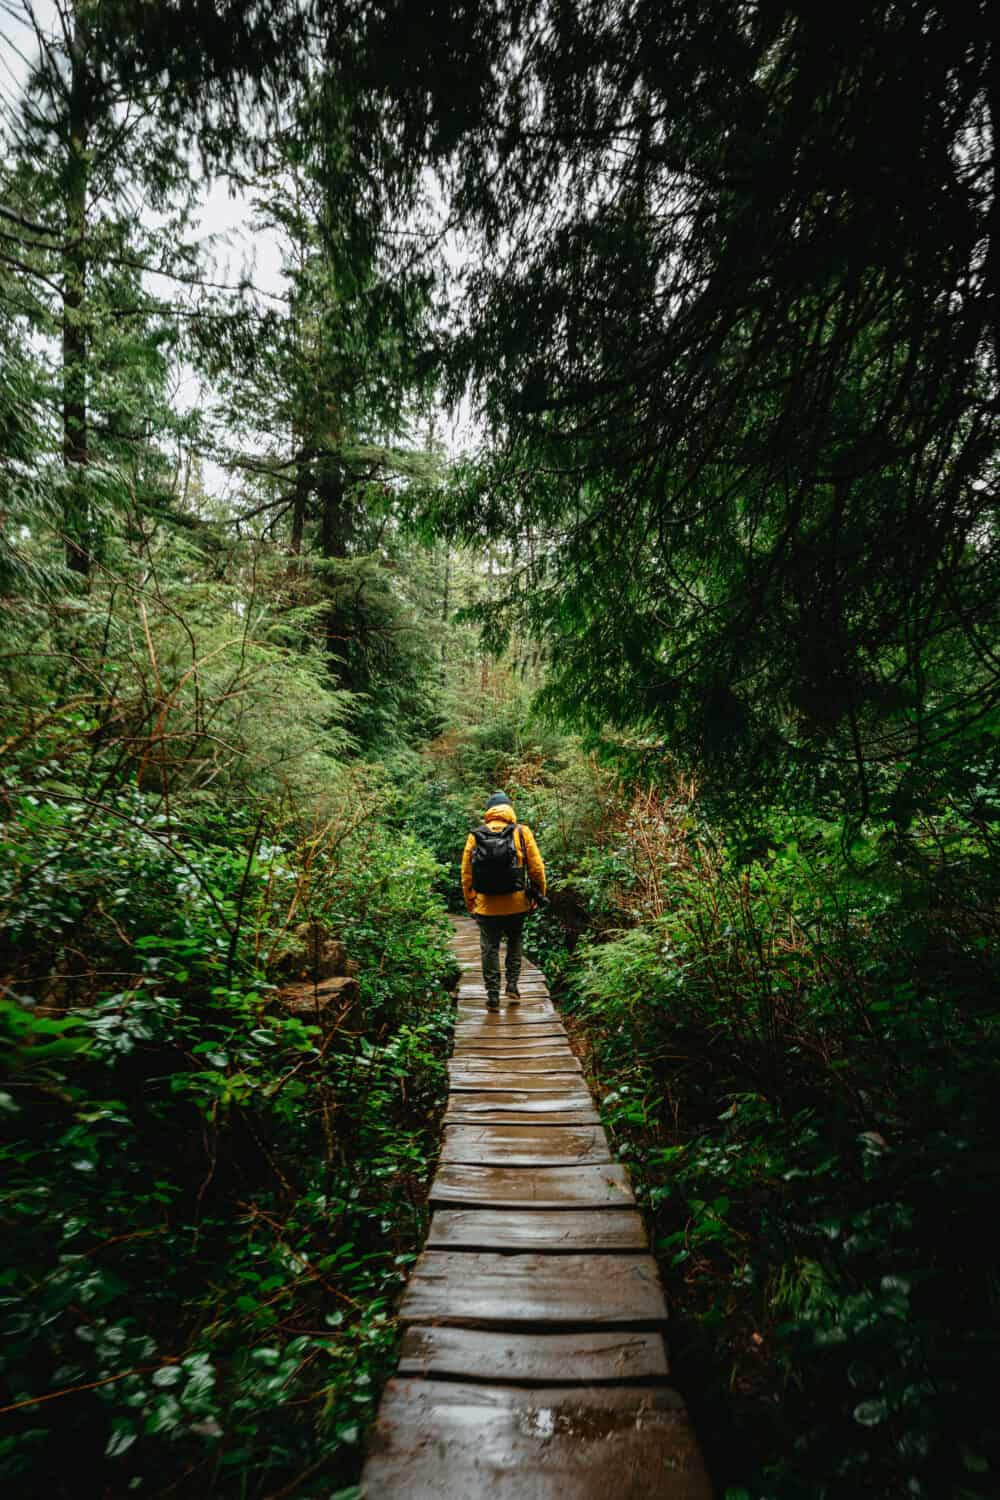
{"points": [[505, 1022], [503, 1076], [487, 1030], [486, 1067], [529, 973], [533, 1104], [505, 1034], [499, 1027], [473, 980], [526, 1003], [494, 1026], [536, 1358], [483, 1289], [511, 1061], [592, 1186], [533, 978], [508, 1046], [558, 1062], [546, 1020], [476, 1005], [532, 994], [550, 1119], [524, 1145], [528, 991], [517, 1046], [476, 1010], [452, 1440], [557, 1231], [508, 1081]]}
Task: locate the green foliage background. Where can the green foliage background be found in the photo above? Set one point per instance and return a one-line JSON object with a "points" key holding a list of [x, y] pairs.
{"points": [[211, 1204], [713, 595]]}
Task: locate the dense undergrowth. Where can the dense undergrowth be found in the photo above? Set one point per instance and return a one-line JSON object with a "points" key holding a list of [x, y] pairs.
{"points": [[210, 1195], [797, 1058], [795, 1046], [213, 1203]]}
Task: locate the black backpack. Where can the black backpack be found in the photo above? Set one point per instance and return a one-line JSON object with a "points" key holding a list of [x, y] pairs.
{"points": [[496, 870]]}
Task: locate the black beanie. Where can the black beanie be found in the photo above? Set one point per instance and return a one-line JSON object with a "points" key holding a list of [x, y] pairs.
{"points": [[497, 799]]}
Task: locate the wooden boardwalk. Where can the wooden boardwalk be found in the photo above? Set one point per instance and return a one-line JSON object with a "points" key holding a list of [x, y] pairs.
{"points": [[533, 1363]]}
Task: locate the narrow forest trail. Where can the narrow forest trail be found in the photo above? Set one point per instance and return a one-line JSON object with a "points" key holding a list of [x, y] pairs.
{"points": [[533, 1362]]}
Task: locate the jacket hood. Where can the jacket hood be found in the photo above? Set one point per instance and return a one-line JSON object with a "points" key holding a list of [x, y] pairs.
{"points": [[503, 813]]}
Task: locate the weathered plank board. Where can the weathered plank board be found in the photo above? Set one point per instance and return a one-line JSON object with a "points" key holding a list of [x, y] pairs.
{"points": [[476, 1001], [507, 1047], [504, 1052], [520, 1016], [527, 989], [449, 1440], [529, 1187], [550, 1119], [535, 1358], [547, 1119], [562, 1062], [494, 1025], [486, 1028], [553, 1120], [497, 1038], [527, 976], [510, 1059], [471, 1105], [482, 1289], [522, 1145], [508, 1023], [557, 1231], [472, 1013], [503, 1021], [531, 994], [473, 983], [503, 1078], [558, 1062]]}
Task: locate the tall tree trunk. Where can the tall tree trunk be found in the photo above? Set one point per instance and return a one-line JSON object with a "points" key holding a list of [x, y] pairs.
{"points": [[992, 273], [76, 508], [445, 605], [333, 543], [302, 482], [484, 668]]}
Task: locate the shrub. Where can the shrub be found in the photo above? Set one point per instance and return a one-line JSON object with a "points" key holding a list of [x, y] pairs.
{"points": [[211, 1205], [796, 1055]]}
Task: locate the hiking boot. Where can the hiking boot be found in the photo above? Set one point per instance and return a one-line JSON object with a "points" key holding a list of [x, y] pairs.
{"points": [[512, 996], [492, 1002]]}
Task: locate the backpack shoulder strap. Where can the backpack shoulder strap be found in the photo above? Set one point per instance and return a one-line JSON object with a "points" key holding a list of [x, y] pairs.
{"points": [[485, 831]]}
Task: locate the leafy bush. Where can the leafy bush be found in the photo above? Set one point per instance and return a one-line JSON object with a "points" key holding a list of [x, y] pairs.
{"points": [[209, 1206], [797, 1056], [439, 818]]}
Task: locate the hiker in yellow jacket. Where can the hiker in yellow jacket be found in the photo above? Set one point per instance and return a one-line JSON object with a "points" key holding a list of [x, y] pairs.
{"points": [[499, 911]]}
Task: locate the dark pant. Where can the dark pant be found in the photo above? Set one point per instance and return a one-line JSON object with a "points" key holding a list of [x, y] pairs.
{"points": [[492, 931]]}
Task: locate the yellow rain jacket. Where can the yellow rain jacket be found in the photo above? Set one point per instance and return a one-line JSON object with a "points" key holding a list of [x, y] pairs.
{"points": [[506, 905]]}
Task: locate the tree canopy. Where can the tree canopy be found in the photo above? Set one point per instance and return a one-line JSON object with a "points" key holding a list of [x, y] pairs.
{"points": [[617, 424], [733, 326]]}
